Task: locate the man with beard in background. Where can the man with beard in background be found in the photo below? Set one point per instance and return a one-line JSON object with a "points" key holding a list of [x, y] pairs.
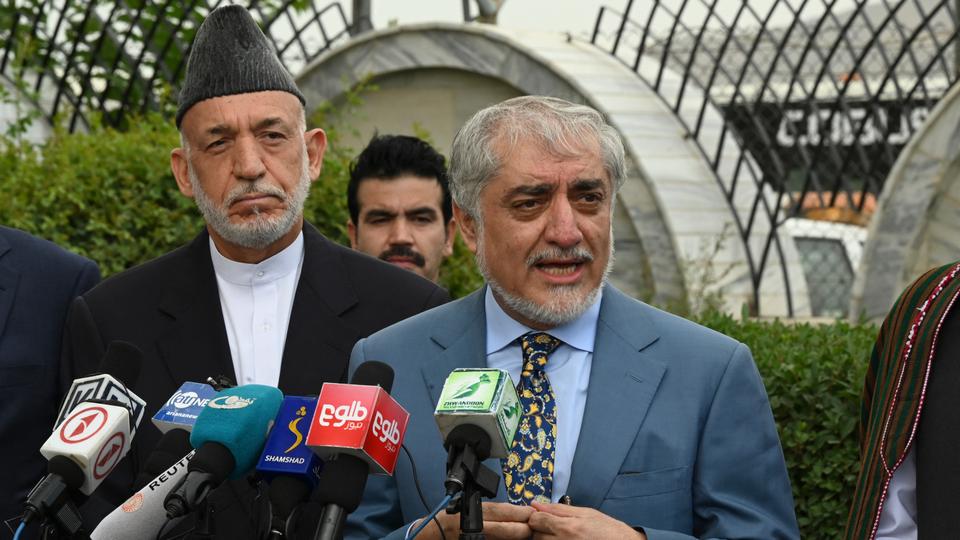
{"points": [[260, 296], [399, 202]]}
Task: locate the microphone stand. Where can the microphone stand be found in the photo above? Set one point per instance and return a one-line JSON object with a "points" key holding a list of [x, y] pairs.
{"points": [[467, 473]]}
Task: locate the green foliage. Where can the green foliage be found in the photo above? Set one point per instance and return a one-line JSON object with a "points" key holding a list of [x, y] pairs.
{"points": [[107, 195], [814, 376]]}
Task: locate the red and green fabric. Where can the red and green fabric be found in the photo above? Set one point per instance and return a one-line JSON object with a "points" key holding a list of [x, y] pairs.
{"points": [[894, 390]]}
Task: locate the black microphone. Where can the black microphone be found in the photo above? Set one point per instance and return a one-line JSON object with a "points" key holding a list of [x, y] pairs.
{"points": [[169, 450], [343, 479]]}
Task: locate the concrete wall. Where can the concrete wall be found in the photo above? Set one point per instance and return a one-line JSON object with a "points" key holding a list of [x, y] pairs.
{"points": [[440, 100], [916, 224]]}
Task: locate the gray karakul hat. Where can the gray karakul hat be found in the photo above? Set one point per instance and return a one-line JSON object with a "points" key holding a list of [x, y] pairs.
{"points": [[230, 55]]}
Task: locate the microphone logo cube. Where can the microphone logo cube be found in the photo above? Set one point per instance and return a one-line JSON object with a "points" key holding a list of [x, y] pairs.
{"points": [[286, 451], [184, 406], [94, 435], [485, 397], [358, 420], [102, 387]]}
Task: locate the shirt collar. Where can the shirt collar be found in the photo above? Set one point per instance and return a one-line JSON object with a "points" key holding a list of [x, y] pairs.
{"points": [[272, 269], [502, 329]]}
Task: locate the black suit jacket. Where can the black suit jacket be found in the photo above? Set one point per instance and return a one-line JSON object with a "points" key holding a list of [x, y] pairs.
{"points": [[38, 280], [170, 309]]}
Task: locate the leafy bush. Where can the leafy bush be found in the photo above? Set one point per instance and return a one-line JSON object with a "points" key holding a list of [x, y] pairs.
{"points": [[814, 376], [107, 195]]}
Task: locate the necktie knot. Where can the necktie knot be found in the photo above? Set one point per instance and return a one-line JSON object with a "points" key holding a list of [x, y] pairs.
{"points": [[537, 347]]}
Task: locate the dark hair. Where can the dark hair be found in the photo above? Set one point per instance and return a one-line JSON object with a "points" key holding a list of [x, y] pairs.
{"points": [[389, 156]]}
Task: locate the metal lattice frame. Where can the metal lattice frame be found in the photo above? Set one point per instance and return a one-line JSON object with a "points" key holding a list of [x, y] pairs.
{"points": [[75, 58], [782, 73]]}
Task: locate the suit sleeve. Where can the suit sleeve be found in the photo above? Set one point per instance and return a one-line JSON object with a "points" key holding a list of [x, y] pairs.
{"points": [[740, 486], [379, 513]]}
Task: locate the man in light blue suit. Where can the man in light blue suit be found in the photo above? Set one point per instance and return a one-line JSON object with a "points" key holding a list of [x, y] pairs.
{"points": [[648, 425]]}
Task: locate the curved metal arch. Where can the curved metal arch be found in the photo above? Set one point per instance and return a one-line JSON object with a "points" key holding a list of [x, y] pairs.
{"points": [[116, 57], [815, 67]]}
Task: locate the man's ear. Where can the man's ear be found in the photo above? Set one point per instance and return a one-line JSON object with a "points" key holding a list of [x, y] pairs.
{"points": [[468, 227], [179, 166], [451, 237], [352, 233], [316, 142]]}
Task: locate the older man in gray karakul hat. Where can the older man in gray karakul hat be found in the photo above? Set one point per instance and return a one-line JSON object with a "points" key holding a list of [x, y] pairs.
{"points": [[259, 296]]}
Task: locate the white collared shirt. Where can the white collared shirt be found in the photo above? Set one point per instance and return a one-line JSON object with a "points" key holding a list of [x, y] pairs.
{"points": [[568, 370], [256, 300], [898, 519]]}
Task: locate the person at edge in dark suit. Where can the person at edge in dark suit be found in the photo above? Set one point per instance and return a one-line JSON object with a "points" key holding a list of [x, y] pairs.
{"points": [[38, 280], [259, 296], [907, 484], [648, 425]]}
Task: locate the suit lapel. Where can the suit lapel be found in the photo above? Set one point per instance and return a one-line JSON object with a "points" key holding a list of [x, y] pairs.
{"points": [[623, 381], [195, 346], [462, 337], [9, 279], [318, 342]]}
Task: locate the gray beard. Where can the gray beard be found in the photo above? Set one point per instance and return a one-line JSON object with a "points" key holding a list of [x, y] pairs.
{"points": [[567, 303], [263, 230]]}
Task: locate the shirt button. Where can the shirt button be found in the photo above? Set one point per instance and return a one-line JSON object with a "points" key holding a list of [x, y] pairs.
{"points": [[260, 273], [266, 327]]}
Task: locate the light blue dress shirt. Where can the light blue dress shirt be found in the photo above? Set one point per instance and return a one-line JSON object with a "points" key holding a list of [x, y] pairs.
{"points": [[568, 370]]}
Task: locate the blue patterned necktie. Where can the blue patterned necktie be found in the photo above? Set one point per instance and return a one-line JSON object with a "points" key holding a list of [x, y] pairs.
{"points": [[528, 469]]}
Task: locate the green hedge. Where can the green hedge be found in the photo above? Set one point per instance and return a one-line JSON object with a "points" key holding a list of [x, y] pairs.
{"points": [[814, 377], [111, 197]]}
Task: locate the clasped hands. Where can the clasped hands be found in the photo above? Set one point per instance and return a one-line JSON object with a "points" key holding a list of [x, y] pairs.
{"points": [[504, 521]]}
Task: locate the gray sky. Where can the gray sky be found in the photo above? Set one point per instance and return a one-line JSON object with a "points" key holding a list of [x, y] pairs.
{"points": [[575, 16]]}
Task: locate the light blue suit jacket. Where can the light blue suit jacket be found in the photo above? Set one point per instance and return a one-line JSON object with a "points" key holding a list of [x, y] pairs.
{"points": [[677, 438]]}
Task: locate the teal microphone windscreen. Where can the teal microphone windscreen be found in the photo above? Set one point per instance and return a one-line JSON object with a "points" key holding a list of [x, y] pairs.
{"points": [[239, 418]]}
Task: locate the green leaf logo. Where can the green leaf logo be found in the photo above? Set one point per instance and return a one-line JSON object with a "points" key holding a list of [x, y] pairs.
{"points": [[468, 389]]}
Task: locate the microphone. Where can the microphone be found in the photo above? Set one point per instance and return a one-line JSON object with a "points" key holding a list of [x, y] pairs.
{"points": [[119, 368], [287, 463], [142, 515], [175, 420], [169, 450], [183, 407], [484, 399], [357, 429], [92, 438], [478, 414], [228, 436]]}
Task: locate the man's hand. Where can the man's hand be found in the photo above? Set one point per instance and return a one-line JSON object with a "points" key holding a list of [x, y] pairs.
{"points": [[501, 521], [565, 521]]}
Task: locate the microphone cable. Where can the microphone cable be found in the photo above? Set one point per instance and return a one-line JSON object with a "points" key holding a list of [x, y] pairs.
{"points": [[432, 514]]}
